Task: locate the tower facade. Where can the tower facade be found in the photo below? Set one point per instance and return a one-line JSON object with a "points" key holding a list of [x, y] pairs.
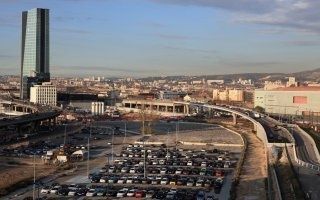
{"points": [[34, 50]]}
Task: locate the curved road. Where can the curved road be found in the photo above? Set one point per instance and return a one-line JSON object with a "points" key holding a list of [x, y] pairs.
{"points": [[304, 148]]}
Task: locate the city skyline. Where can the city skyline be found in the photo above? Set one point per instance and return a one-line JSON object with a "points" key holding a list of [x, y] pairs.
{"points": [[151, 37]]}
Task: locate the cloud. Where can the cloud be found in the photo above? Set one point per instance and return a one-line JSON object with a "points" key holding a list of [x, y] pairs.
{"points": [[251, 6], [64, 18], [172, 37], [300, 15], [70, 30], [302, 43], [7, 56], [155, 24], [190, 49], [99, 69], [249, 64]]}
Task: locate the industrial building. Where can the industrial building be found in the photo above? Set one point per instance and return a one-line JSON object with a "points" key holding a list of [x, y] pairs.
{"points": [[97, 108], [45, 94], [289, 100], [171, 94]]}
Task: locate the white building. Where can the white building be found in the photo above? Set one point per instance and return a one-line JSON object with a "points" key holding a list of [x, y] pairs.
{"points": [[292, 82], [289, 101], [97, 108], [269, 85], [228, 95], [45, 94]]}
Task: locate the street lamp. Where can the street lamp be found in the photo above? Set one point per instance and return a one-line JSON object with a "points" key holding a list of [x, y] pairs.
{"points": [[88, 158]]}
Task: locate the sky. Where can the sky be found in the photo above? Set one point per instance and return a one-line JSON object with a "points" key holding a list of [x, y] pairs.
{"points": [[169, 37]]}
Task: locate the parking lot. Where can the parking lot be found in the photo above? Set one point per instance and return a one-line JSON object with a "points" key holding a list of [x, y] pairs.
{"points": [[154, 166], [169, 171]]}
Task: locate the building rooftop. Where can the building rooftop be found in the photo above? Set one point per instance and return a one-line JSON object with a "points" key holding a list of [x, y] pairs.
{"points": [[302, 88]]}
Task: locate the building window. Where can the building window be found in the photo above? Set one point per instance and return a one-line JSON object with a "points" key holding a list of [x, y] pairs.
{"points": [[300, 99]]}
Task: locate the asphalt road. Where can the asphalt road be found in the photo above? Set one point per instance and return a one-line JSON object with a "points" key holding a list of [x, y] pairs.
{"points": [[25, 119], [273, 136], [310, 180], [304, 148]]}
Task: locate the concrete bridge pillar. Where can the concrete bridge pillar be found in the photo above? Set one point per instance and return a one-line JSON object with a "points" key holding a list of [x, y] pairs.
{"points": [[187, 109], [234, 116]]}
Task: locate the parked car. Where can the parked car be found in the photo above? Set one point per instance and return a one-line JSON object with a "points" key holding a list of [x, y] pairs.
{"points": [[45, 190]]}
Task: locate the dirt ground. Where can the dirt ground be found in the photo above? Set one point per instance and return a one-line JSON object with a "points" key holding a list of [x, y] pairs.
{"points": [[16, 170], [254, 170]]}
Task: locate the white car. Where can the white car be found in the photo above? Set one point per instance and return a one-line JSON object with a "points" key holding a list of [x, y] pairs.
{"points": [[72, 192], [111, 169], [121, 181], [199, 183], [162, 162], [227, 164], [55, 189], [178, 171], [203, 164], [132, 171], [103, 179], [164, 181], [122, 193], [189, 163], [45, 190], [163, 171], [91, 193], [124, 169], [129, 181], [131, 193]]}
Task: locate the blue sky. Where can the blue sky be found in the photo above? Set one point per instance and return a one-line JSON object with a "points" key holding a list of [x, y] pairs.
{"points": [[169, 37]]}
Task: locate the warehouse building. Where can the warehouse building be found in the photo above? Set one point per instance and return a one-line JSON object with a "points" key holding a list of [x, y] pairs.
{"points": [[289, 100]]}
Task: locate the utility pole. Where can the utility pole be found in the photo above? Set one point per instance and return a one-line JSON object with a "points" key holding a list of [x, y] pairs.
{"points": [[167, 144], [65, 135], [125, 132], [112, 144], [34, 176], [88, 158], [144, 161], [177, 130]]}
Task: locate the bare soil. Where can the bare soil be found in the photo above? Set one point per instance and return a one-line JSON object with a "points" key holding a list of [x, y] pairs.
{"points": [[17, 170], [253, 175]]}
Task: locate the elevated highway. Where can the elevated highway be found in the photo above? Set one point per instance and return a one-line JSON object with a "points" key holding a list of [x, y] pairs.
{"points": [[28, 118]]}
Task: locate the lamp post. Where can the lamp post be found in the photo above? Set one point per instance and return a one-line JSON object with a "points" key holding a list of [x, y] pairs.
{"points": [[34, 177], [65, 135], [88, 158], [112, 144]]}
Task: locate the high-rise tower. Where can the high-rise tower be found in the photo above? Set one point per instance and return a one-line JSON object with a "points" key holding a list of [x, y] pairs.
{"points": [[34, 49]]}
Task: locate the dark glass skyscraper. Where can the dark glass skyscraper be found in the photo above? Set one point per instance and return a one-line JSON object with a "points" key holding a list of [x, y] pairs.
{"points": [[34, 49]]}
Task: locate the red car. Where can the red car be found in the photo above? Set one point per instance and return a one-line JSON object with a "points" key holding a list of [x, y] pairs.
{"points": [[139, 194]]}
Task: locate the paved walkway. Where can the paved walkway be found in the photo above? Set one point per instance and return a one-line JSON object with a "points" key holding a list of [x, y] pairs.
{"points": [[254, 170]]}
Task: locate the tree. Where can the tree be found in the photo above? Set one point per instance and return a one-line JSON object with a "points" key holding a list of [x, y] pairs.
{"points": [[259, 109]]}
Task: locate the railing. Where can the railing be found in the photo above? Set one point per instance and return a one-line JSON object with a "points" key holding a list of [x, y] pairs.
{"points": [[300, 162]]}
